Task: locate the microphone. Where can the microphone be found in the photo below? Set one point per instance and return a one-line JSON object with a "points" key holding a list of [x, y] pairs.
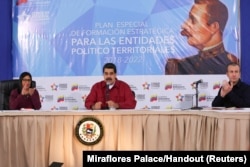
{"points": [[197, 82], [107, 85], [196, 95], [107, 90], [107, 93]]}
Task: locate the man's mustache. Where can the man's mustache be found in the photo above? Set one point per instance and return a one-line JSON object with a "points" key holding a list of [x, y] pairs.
{"points": [[108, 79], [184, 32]]}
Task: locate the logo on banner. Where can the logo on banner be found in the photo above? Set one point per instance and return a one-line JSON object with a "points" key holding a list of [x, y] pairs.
{"points": [[41, 98], [89, 131], [74, 87], [168, 86], [84, 97], [216, 85], [54, 108], [54, 87], [179, 97], [60, 99], [153, 98], [145, 86], [146, 107], [202, 97]]}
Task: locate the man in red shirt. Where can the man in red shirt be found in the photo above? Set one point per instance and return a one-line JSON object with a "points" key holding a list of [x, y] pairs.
{"points": [[110, 93]]}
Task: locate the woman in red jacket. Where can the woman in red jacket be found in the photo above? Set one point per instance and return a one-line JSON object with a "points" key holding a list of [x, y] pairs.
{"points": [[25, 97]]}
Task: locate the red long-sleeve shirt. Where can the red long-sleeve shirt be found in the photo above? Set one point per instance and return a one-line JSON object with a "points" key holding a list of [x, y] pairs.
{"points": [[18, 101], [120, 93]]}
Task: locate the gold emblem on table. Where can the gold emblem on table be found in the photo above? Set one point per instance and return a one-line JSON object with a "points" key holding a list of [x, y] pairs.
{"points": [[89, 131]]}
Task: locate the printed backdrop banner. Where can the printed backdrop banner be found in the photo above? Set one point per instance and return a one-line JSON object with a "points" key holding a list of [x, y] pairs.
{"points": [[67, 42], [152, 92]]}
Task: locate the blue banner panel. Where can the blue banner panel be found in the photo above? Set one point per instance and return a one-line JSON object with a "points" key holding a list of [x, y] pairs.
{"points": [[66, 38]]}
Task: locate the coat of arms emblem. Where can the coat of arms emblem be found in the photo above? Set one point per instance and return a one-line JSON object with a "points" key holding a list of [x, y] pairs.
{"points": [[89, 131]]}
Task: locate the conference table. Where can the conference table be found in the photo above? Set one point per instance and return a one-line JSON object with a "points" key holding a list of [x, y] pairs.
{"points": [[38, 138]]}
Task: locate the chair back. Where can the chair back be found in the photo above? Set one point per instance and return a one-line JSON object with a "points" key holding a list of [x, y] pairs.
{"points": [[6, 86]]}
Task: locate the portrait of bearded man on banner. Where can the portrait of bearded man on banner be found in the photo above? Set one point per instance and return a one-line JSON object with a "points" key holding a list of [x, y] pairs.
{"points": [[204, 31]]}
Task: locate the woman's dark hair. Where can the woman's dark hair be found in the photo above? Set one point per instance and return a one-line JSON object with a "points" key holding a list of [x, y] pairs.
{"points": [[22, 75]]}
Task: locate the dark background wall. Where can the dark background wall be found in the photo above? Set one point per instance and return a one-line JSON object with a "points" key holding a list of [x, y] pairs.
{"points": [[245, 40], [6, 40]]}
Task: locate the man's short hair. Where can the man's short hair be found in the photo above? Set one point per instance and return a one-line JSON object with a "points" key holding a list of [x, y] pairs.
{"points": [[217, 12], [110, 66], [233, 64]]}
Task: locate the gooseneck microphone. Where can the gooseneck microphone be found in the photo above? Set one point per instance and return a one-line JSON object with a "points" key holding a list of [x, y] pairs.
{"points": [[197, 82], [196, 107]]}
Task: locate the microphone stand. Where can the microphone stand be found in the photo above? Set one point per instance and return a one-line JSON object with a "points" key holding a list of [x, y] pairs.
{"points": [[196, 98]]}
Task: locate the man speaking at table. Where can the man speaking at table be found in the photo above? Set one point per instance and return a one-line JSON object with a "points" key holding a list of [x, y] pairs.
{"points": [[110, 93], [233, 93]]}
